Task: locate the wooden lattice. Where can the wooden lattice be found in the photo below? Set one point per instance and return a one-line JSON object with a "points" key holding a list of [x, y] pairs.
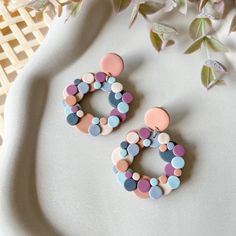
{"points": [[21, 32]]}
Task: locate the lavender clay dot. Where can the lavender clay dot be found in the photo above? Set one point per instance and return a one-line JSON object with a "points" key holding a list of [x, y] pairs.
{"points": [[115, 112], [100, 77], [127, 97], [179, 150], [169, 170], [71, 90], [128, 174], [143, 185], [144, 133], [74, 109]]}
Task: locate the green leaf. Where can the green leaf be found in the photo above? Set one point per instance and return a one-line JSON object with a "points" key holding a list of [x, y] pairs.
{"points": [[149, 7], [194, 46], [208, 77], [120, 5], [183, 6], [202, 4], [199, 27], [163, 29], [214, 44], [233, 25], [156, 41], [134, 15], [217, 66]]}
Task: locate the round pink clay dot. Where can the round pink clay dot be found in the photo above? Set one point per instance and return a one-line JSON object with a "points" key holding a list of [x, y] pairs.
{"points": [[74, 109], [179, 150], [115, 112], [71, 90], [169, 169], [144, 133], [143, 185], [127, 97], [128, 174]]}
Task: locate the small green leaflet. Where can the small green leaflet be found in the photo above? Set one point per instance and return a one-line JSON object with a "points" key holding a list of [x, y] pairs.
{"points": [[200, 27], [120, 5]]}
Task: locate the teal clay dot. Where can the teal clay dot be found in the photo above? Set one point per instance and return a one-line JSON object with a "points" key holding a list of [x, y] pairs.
{"points": [[123, 152], [95, 120], [173, 182], [113, 121], [153, 181], [97, 85], [123, 107], [121, 178], [118, 96], [177, 162], [111, 80], [146, 142]]}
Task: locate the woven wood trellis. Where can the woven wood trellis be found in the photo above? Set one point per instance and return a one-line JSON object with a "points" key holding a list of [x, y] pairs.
{"points": [[21, 32]]}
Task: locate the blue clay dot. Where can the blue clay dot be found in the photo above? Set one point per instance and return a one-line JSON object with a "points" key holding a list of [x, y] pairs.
{"points": [[94, 130], [167, 155], [77, 81], [114, 170], [83, 87], [121, 178], [146, 142], [113, 121], [124, 144], [123, 107], [112, 100], [155, 192], [170, 145], [173, 182], [106, 87], [95, 121], [118, 96], [123, 152], [111, 80], [130, 184], [154, 140], [177, 162], [67, 110], [72, 119], [153, 181], [133, 149], [97, 85]]}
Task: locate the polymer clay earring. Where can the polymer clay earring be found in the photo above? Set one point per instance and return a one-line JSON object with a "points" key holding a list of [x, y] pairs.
{"points": [[111, 65], [151, 136]]}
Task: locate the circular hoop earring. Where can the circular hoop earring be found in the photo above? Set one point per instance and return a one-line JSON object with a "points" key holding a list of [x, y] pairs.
{"points": [[111, 65], [151, 136]]}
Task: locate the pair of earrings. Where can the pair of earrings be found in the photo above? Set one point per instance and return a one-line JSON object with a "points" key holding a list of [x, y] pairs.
{"points": [[156, 121]]}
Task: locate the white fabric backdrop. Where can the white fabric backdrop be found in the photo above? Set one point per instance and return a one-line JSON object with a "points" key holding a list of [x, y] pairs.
{"points": [[56, 181]]}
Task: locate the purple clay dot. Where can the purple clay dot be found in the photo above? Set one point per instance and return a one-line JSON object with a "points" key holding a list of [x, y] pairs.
{"points": [[127, 97], [179, 150], [100, 77], [71, 90], [143, 185], [128, 174], [74, 109], [144, 133], [169, 169], [115, 112]]}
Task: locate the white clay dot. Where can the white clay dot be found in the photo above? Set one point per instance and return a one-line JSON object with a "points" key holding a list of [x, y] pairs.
{"points": [[80, 113], [136, 176], [116, 87], [88, 78], [163, 138], [132, 137]]}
